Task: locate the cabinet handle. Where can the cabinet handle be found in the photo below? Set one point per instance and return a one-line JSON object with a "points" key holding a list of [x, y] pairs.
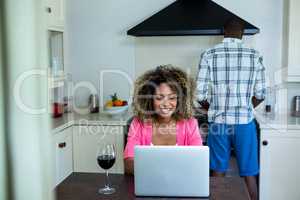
{"points": [[49, 10], [62, 145], [265, 143]]}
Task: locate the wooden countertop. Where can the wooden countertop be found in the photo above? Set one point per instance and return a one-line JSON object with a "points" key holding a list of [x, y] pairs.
{"points": [[79, 186]]}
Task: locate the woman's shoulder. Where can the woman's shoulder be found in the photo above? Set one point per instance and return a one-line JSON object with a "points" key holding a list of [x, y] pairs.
{"points": [[139, 127], [136, 121], [190, 121]]}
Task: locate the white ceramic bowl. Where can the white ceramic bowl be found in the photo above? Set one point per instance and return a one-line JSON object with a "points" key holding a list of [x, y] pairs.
{"points": [[116, 110]]}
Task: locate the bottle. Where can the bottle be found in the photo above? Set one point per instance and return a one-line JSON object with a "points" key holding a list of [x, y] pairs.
{"points": [[270, 100], [58, 102], [94, 103]]}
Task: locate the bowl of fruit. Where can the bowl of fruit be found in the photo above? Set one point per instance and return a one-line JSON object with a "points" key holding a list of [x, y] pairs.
{"points": [[115, 106]]}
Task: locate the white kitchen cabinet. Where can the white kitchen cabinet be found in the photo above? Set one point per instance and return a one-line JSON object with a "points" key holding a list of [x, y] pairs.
{"points": [[294, 41], [88, 139], [63, 145], [55, 14], [279, 164]]}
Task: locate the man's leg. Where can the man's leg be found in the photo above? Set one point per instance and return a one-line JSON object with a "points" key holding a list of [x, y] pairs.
{"points": [[219, 148], [251, 182], [217, 174], [246, 149]]}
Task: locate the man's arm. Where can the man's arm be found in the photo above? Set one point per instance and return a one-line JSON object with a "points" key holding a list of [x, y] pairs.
{"points": [[203, 81], [260, 84]]}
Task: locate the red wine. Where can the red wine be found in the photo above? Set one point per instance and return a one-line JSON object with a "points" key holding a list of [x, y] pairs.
{"points": [[106, 161]]}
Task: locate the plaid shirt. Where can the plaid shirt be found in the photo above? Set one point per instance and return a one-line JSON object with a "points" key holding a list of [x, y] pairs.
{"points": [[230, 74]]}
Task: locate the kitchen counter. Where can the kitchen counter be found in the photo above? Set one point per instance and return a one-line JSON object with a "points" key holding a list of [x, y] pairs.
{"points": [[60, 123], [277, 121], [94, 119], [266, 121], [89, 119]]}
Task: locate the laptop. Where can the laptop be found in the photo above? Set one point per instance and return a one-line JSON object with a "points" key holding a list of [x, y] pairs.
{"points": [[173, 171]]}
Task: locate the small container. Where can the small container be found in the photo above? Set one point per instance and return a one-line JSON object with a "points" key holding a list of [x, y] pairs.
{"points": [[94, 103], [57, 102], [68, 90], [58, 110], [268, 108], [270, 100], [296, 106], [68, 104]]}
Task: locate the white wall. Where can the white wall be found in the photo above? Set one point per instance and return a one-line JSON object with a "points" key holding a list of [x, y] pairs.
{"points": [[268, 16], [185, 51], [98, 40], [180, 51]]}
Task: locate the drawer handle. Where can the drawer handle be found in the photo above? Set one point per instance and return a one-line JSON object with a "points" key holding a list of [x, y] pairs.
{"points": [[62, 145], [265, 143], [49, 9]]}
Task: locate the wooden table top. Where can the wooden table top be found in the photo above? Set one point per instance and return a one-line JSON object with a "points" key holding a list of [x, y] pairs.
{"points": [[84, 186]]}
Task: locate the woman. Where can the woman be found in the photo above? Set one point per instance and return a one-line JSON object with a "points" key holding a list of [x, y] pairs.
{"points": [[163, 108]]}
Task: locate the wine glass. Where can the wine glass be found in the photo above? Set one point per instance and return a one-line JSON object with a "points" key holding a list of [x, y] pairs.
{"points": [[106, 158]]}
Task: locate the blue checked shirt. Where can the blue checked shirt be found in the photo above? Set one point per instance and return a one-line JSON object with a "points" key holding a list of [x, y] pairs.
{"points": [[230, 74]]}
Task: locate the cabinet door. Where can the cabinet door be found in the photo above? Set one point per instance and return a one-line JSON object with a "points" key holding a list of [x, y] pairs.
{"points": [[56, 14], [88, 139], [280, 164], [294, 41], [63, 155]]}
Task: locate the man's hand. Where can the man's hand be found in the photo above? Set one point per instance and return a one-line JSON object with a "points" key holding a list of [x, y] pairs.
{"points": [[204, 104], [256, 101]]}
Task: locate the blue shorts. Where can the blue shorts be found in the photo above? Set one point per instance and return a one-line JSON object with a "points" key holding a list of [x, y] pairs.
{"points": [[242, 137]]}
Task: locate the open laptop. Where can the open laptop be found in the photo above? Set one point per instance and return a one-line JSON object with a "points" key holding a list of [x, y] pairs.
{"points": [[173, 171]]}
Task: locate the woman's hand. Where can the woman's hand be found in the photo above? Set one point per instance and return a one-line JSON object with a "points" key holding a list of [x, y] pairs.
{"points": [[129, 168]]}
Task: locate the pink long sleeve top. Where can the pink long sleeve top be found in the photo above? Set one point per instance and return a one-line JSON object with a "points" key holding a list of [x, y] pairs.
{"points": [[140, 133]]}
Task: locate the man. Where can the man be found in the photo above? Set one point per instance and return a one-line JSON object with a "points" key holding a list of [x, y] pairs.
{"points": [[231, 82]]}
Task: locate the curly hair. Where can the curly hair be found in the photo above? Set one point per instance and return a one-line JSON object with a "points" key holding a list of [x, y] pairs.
{"points": [[176, 79]]}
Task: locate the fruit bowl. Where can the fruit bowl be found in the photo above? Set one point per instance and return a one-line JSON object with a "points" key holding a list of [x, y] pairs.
{"points": [[115, 106], [115, 110]]}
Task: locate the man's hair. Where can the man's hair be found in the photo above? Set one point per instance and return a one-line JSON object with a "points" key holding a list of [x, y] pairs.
{"points": [[234, 24]]}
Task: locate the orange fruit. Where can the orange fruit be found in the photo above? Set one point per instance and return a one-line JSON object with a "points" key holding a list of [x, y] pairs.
{"points": [[118, 102]]}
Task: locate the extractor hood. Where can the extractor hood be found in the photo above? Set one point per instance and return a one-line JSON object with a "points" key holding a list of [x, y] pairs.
{"points": [[189, 17]]}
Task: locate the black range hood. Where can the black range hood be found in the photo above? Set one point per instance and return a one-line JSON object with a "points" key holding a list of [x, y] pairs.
{"points": [[189, 17]]}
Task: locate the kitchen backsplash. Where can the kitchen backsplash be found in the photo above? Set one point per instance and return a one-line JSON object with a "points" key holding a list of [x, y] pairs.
{"points": [[183, 52]]}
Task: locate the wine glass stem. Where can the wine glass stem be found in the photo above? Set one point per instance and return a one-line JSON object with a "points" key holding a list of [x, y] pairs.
{"points": [[106, 179]]}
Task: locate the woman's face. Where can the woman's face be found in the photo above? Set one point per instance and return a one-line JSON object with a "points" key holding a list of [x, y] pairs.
{"points": [[165, 101]]}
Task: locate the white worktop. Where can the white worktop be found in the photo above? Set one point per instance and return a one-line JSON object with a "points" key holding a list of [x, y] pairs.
{"points": [[266, 121], [277, 121], [89, 119]]}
